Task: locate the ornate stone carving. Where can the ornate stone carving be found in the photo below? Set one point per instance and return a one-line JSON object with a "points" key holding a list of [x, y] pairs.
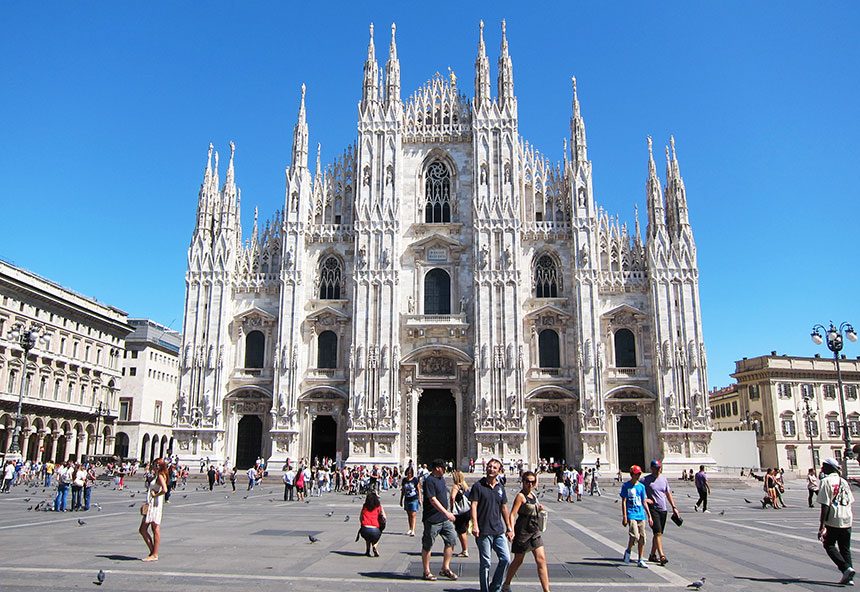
{"points": [[436, 366]]}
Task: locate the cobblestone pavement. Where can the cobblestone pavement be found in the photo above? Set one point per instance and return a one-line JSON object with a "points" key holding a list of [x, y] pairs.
{"points": [[256, 541]]}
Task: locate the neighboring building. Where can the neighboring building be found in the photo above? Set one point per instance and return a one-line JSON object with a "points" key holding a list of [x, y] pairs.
{"points": [[442, 290], [150, 368], [726, 409], [773, 389], [66, 379]]}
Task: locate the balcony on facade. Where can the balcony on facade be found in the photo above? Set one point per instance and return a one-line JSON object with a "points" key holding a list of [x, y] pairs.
{"points": [[436, 325], [540, 231], [635, 373], [552, 375], [326, 375], [252, 375], [329, 233]]}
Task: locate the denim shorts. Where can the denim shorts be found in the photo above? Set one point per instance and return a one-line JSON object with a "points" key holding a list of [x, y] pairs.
{"points": [[431, 531], [411, 506]]}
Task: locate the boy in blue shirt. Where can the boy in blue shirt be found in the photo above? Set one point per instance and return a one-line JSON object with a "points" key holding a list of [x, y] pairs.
{"points": [[635, 513]]}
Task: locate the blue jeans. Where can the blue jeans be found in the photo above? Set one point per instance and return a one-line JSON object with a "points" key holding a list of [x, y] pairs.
{"points": [[88, 494], [62, 497], [499, 544], [48, 480]]}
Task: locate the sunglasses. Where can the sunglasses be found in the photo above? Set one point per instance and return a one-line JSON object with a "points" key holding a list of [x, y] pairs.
{"points": [[530, 481]]}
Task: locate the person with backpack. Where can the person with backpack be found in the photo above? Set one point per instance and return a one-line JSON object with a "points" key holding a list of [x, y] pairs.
{"points": [[834, 528]]}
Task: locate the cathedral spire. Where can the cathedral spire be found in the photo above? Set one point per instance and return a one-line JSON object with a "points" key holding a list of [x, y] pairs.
{"points": [[676, 194], [654, 192], [482, 71], [578, 143], [370, 89], [231, 173], [506, 73], [300, 137], [392, 71], [319, 161]]}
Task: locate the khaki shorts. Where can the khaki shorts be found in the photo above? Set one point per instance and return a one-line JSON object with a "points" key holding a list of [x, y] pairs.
{"points": [[636, 530]]}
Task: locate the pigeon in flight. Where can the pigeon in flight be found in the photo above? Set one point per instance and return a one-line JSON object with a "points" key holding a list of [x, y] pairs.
{"points": [[100, 577], [697, 585], [313, 539]]}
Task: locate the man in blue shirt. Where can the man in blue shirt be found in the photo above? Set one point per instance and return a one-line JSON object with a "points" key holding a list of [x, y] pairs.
{"points": [[635, 513], [491, 524]]}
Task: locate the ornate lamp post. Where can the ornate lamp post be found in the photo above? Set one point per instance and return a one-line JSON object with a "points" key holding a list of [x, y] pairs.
{"points": [[27, 336], [834, 344]]}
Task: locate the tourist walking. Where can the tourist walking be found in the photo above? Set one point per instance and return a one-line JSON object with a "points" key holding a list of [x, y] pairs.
{"points": [[834, 529], [462, 510], [704, 488], [438, 521], [64, 477], [252, 478], [812, 485], [660, 495], [79, 476], [232, 478], [150, 522], [300, 483], [89, 483], [409, 499], [634, 514], [372, 522], [289, 478], [491, 525], [595, 485], [527, 532], [210, 475]]}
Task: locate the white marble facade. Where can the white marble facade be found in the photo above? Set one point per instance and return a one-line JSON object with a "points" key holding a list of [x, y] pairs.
{"points": [[443, 259]]}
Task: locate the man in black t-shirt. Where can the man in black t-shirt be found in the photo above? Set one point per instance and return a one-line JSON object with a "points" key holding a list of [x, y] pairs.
{"points": [[491, 525], [437, 521]]}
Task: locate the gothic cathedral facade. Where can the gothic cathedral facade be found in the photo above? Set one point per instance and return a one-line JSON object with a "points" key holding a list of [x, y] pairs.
{"points": [[442, 290]]}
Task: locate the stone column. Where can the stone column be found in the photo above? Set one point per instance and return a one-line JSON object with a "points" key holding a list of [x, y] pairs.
{"points": [[39, 443], [54, 436], [25, 443], [68, 451]]}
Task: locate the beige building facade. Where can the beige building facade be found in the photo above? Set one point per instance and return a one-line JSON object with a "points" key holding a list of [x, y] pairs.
{"points": [[150, 369], [67, 378], [793, 405]]}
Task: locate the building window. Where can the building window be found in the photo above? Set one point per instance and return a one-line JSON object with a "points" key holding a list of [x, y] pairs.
{"points": [[156, 416], [125, 409], [854, 424], [437, 292], [754, 392], [837, 454], [548, 349], [791, 452], [625, 349], [75, 349], [330, 276], [70, 393], [734, 407], [57, 389], [829, 391], [816, 457], [783, 390], [437, 193], [327, 350], [832, 425], [43, 386], [850, 392], [806, 391], [788, 426], [132, 371], [10, 387], [546, 278], [811, 427], [133, 354], [255, 345]]}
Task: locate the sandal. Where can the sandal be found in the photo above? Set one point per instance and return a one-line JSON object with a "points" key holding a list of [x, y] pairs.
{"points": [[463, 554], [448, 574], [430, 577], [663, 560]]}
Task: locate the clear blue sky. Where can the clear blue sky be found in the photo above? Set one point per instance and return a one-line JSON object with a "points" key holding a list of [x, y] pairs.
{"points": [[107, 109]]}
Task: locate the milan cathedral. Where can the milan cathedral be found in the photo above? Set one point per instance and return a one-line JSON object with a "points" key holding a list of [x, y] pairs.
{"points": [[442, 290]]}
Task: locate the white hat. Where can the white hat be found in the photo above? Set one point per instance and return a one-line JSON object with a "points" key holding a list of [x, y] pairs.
{"points": [[833, 463]]}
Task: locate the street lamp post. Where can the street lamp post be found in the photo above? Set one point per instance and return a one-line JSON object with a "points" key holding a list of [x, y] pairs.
{"points": [[834, 344], [26, 336], [99, 412], [809, 415]]}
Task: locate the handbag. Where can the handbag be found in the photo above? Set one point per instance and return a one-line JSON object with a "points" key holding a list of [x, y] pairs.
{"points": [[461, 504], [144, 509], [677, 519], [382, 523]]}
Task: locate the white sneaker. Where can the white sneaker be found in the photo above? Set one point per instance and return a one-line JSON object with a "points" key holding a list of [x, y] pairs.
{"points": [[847, 576], [706, 512]]}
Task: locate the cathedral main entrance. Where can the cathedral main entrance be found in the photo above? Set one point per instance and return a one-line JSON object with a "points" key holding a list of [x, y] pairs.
{"points": [[323, 438], [551, 438], [437, 426], [249, 441], [631, 445]]}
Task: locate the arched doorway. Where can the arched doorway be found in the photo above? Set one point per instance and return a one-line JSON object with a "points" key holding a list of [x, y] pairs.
{"points": [[323, 437], [33, 447], [61, 447], [551, 444], [631, 446], [249, 442], [153, 448], [437, 426], [120, 447], [48, 445]]}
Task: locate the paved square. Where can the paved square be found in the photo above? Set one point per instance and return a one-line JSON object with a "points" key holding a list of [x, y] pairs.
{"points": [[222, 540]]}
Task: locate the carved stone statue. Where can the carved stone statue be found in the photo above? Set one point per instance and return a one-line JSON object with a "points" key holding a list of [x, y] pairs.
{"points": [[410, 304], [463, 302]]}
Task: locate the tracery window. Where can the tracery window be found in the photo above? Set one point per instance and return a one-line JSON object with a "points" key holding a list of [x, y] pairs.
{"points": [[330, 277], [546, 278], [437, 193]]}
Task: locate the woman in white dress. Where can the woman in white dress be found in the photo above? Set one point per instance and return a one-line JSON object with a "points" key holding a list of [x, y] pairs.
{"points": [[152, 519]]}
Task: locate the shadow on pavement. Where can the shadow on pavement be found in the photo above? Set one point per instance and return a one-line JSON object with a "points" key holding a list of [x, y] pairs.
{"points": [[387, 575], [791, 581], [349, 553], [119, 557]]}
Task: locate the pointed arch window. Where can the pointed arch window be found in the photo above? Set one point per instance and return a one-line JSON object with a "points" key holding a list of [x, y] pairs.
{"points": [[327, 350], [546, 278], [625, 349], [437, 292], [548, 349], [437, 193], [330, 278], [255, 344]]}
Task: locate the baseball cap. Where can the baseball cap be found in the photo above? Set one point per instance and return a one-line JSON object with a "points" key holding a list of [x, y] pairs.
{"points": [[655, 464], [833, 463], [637, 470]]}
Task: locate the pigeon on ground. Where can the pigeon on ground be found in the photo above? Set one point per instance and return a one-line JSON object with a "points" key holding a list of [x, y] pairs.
{"points": [[30, 508], [346, 518], [615, 502], [722, 513], [747, 501], [245, 497], [313, 539], [697, 584], [307, 501], [132, 495], [81, 522], [131, 505], [100, 577], [688, 495], [26, 499], [226, 497], [184, 496], [330, 514]]}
